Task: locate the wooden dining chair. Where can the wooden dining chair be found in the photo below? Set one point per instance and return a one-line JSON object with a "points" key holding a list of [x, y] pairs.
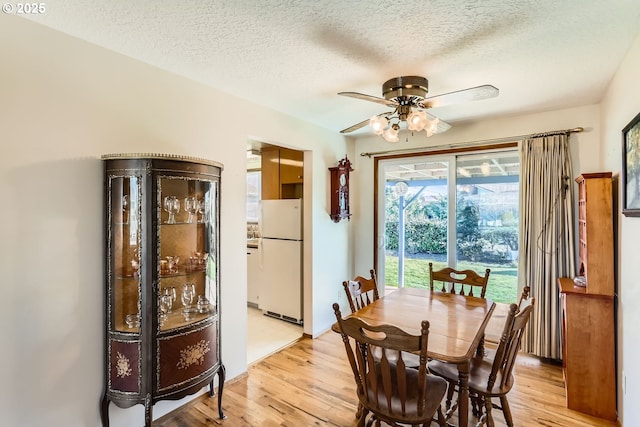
{"points": [[524, 297], [361, 291], [522, 302], [388, 390], [460, 282], [491, 377], [490, 353]]}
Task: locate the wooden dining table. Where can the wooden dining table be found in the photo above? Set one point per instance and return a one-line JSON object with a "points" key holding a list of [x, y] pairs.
{"points": [[457, 325]]}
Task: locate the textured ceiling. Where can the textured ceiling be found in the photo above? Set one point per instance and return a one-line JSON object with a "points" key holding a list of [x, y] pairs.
{"points": [[295, 55]]}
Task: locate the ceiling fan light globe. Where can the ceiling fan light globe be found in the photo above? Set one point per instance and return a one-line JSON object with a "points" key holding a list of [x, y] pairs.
{"points": [[378, 124], [416, 120], [391, 134], [432, 126], [424, 120]]}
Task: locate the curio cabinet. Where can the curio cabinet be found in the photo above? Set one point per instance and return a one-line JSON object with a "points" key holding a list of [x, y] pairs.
{"points": [[162, 282]]}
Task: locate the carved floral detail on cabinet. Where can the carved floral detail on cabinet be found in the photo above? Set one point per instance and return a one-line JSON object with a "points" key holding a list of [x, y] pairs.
{"points": [[193, 354], [123, 366]]}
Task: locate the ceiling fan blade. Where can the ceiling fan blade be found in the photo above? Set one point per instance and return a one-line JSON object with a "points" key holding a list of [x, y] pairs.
{"points": [[356, 126], [369, 98], [363, 123], [472, 94]]}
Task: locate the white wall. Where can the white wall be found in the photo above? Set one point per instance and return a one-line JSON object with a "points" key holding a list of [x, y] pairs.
{"points": [[64, 103], [620, 105]]}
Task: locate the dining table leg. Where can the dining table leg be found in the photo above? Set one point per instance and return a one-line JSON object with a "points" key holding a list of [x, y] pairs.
{"points": [[463, 394]]}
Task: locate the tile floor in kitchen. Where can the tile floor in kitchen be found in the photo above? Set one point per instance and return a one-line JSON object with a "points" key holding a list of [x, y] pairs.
{"points": [[267, 335]]}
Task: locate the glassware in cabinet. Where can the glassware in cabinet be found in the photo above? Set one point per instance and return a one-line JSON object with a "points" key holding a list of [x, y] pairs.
{"points": [[187, 263], [123, 253]]}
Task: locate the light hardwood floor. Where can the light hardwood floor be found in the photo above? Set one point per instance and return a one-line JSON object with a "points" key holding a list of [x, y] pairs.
{"points": [[310, 384]]}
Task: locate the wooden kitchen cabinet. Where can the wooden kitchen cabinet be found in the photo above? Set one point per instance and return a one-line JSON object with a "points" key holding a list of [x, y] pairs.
{"points": [[162, 284], [291, 166], [270, 173], [282, 173], [588, 320]]}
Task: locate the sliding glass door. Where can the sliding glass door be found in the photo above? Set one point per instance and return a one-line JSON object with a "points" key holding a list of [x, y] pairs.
{"points": [[451, 210]]}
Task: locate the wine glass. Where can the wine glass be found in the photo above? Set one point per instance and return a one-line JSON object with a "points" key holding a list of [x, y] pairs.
{"points": [[201, 207], [170, 293], [190, 206], [125, 209], [202, 304], [188, 293], [164, 307], [172, 207]]}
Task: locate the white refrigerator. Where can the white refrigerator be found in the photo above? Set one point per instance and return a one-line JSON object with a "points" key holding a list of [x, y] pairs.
{"points": [[281, 255]]}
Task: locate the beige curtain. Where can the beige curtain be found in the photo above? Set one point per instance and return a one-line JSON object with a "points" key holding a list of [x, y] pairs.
{"points": [[546, 236]]}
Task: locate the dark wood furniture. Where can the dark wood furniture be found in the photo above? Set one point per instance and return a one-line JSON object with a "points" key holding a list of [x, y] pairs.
{"points": [[162, 237], [361, 291], [588, 323], [386, 387], [461, 282], [491, 377], [339, 193], [456, 345]]}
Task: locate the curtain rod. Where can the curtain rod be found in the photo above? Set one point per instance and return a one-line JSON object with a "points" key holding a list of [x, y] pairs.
{"points": [[473, 143]]}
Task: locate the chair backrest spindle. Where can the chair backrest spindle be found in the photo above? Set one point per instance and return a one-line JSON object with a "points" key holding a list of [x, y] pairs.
{"points": [[461, 282], [361, 291]]}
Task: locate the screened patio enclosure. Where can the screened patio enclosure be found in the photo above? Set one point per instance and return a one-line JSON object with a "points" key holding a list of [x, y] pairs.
{"points": [[452, 210]]}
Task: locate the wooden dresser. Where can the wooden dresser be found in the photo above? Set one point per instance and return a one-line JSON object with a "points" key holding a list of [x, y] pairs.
{"points": [[588, 326]]}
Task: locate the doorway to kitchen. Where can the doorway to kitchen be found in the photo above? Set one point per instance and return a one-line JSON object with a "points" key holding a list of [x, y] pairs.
{"points": [[274, 290]]}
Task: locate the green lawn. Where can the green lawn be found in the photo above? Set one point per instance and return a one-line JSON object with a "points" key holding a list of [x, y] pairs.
{"points": [[502, 285]]}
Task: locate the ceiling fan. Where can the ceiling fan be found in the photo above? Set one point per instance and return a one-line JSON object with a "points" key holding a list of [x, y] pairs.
{"points": [[407, 95]]}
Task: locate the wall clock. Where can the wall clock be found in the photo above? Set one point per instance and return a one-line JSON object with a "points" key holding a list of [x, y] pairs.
{"points": [[340, 190]]}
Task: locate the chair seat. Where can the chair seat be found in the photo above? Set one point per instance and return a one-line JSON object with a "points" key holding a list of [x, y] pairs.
{"points": [[479, 372], [436, 389]]}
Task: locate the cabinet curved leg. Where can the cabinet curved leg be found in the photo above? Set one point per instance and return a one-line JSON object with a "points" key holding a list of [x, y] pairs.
{"points": [[104, 410], [212, 391], [222, 373], [148, 409]]}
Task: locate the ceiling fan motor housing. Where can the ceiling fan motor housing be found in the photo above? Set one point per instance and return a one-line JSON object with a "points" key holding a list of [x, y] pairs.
{"points": [[405, 86]]}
